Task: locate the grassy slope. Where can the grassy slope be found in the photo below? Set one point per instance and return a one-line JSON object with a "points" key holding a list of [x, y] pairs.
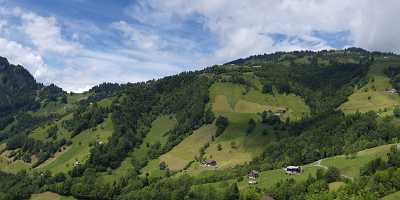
{"points": [[49, 196], [351, 167], [159, 127], [229, 97], [13, 167], [333, 187], [232, 101], [40, 133], [394, 196], [268, 178], [79, 150], [184, 152], [380, 99]]}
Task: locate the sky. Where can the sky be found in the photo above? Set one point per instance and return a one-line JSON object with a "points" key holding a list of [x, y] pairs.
{"points": [[78, 44]]}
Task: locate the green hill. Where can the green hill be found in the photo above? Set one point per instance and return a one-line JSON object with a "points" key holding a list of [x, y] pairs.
{"points": [[148, 140], [374, 95]]}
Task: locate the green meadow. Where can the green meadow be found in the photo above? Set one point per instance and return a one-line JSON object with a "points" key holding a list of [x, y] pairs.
{"points": [[373, 96]]}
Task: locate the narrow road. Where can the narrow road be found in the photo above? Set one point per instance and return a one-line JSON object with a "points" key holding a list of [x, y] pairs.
{"points": [[318, 164]]}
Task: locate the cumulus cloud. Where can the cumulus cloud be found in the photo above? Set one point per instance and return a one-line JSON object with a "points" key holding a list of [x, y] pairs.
{"points": [[237, 24], [74, 66], [141, 39], [18, 54], [45, 33]]}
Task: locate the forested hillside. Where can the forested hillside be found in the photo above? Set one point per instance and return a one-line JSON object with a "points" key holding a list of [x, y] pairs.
{"points": [[196, 135]]}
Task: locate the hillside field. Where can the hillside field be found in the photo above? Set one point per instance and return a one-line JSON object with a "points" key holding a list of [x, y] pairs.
{"points": [[373, 96]]}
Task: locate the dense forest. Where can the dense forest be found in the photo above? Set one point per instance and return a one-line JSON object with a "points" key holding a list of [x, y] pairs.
{"points": [[324, 79]]}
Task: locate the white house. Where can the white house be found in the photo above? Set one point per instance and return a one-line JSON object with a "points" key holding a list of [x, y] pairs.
{"points": [[293, 170]]}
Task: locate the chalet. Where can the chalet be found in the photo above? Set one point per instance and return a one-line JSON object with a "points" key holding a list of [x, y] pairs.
{"points": [[77, 163], [210, 163], [293, 170], [252, 181], [393, 91], [253, 174], [281, 110]]}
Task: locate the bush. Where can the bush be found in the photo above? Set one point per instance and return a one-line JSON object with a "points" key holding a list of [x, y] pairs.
{"points": [[332, 174]]}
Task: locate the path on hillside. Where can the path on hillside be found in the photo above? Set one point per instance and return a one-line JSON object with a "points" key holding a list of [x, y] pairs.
{"points": [[318, 164]]}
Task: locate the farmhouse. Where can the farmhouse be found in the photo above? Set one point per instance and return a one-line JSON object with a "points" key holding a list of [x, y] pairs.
{"points": [[281, 110], [252, 181], [393, 91], [253, 174], [210, 163], [76, 163], [293, 170]]}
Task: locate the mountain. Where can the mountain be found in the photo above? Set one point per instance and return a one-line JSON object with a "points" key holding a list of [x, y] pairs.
{"points": [[17, 90], [196, 135]]}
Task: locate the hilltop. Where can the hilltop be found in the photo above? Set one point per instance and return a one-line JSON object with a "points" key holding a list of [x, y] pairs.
{"points": [[150, 140]]}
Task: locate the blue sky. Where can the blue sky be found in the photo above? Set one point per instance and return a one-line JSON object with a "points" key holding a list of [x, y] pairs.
{"points": [[77, 44]]}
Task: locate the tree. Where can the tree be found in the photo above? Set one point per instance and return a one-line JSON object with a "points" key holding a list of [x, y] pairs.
{"points": [[221, 123], [209, 116], [232, 193], [219, 147], [251, 126], [267, 88], [163, 165], [396, 111], [332, 174]]}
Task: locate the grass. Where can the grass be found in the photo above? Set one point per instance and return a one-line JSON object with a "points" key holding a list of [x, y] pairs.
{"points": [[153, 169], [105, 102], [372, 97], [238, 147], [49, 196], [269, 178], [333, 187], [159, 128], [394, 196], [185, 152], [9, 166], [40, 133], [351, 167], [229, 97], [79, 150], [266, 180], [239, 106]]}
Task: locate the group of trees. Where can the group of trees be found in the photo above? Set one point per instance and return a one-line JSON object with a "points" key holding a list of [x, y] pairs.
{"points": [[324, 136], [52, 93], [85, 117], [185, 96], [17, 91], [378, 179]]}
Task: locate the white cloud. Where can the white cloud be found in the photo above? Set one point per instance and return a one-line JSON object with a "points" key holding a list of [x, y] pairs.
{"points": [[18, 54], [141, 39], [45, 34], [76, 67], [237, 24]]}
